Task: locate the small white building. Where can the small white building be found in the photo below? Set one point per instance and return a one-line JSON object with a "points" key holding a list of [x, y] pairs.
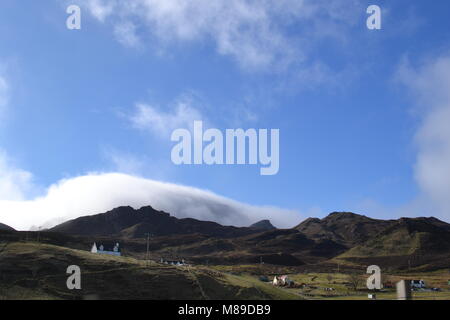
{"points": [[418, 284], [101, 250], [279, 280], [174, 262], [282, 281]]}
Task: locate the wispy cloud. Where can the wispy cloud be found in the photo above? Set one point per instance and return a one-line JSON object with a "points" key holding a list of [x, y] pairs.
{"points": [[100, 9], [15, 183], [429, 85], [161, 122], [257, 34], [124, 162], [125, 33]]}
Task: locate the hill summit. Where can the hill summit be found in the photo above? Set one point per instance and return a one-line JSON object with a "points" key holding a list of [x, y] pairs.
{"points": [[127, 222], [263, 225], [4, 227], [346, 228]]}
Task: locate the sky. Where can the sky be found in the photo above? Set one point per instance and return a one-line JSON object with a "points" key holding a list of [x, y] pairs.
{"points": [[86, 115]]}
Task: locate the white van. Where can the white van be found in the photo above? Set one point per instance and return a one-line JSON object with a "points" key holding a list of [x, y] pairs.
{"points": [[417, 284]]}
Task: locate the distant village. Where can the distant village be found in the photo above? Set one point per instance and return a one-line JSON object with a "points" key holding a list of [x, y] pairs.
{"points": [[278, 280]]}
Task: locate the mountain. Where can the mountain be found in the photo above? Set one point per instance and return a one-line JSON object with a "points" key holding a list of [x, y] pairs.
{"points": [[199, 241], [126, 222], [286, 247], [346, 228], [291, 241], [4, 227], [355, 238], [407, 243], [408, 236], [263, 225]]}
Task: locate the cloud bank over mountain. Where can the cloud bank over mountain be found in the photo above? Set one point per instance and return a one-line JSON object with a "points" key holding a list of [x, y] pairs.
{"points": [[96, 193]]}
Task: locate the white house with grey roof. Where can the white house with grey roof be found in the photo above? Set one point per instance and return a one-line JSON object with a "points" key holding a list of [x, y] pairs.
{"points": [[115, 251]]}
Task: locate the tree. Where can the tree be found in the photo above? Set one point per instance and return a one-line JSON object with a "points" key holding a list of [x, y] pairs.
{"points": [[354, 279]]}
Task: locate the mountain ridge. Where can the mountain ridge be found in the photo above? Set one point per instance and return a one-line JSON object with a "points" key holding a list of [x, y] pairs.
{"points": [[340, 235], [136, 223], [346, 228], [263, 225], [5, 227]]}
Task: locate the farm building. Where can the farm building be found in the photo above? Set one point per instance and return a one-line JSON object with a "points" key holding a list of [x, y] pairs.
{"points": [[173, 262], [115, 251], [418, 284], [282, 281]]}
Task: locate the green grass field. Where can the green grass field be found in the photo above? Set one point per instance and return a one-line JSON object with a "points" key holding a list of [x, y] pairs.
{"points": [[30, 270], [312, 286]]}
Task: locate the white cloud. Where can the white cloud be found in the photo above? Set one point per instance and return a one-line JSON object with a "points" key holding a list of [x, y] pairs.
{"points": [[160, 122], [14, 182], [430, 86], [96, 193], [100, 9], [257, 33], [125, 33], [125, 162]]}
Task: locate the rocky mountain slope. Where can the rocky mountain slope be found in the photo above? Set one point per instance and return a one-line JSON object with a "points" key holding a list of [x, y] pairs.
{"points": [[127, 222], [341, 235], [4, 227]]}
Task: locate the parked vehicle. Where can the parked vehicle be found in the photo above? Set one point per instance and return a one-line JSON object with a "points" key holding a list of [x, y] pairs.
{"points": [[418, 284], [436, 289]]}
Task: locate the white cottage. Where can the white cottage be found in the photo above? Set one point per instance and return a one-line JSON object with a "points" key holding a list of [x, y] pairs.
{"points": [[101, 250], [282, 281]]}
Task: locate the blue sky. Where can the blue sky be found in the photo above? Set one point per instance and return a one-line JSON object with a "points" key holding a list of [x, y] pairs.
{"points": [[352, 105]]}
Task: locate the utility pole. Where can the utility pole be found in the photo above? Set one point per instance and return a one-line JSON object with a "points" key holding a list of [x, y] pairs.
{"points": [[148, 245], [413, 257]]}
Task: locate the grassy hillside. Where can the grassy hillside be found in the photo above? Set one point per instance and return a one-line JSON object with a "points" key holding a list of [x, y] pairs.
{"points": [[30, 270], [419, 244], [345, 228]]}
